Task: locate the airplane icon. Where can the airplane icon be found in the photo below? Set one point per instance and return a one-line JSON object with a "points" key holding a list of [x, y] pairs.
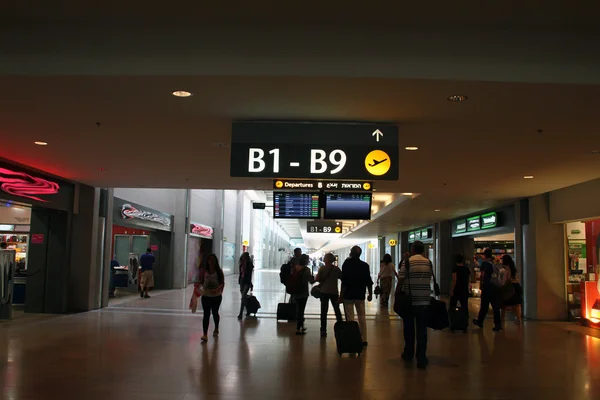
{"points": [[375, 162]]}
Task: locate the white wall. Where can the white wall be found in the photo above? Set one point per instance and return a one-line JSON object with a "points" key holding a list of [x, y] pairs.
{"points": [[203, 207], [246, 217], [230, 216], [159, 199], [578, 202]]}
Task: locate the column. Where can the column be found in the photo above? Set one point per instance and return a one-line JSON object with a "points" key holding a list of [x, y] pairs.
{"points": [[107, 211], [180, 227], [445, 258], [544, 266]]}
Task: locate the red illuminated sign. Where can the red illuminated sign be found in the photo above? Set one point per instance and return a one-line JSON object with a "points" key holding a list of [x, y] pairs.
{"points": [[21, 184], [202, 230]]}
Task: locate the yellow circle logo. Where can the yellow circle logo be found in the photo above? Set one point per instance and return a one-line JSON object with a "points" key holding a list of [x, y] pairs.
{"points": [[366, 186], [377, 162], [338, 229], [278, 184], [393, 243]]}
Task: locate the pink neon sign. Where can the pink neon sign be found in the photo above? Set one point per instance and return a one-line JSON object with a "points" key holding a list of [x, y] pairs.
{"points": [[23, 185], [202, 230]]}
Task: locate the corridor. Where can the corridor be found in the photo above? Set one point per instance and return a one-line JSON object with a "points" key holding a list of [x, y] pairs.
{"points": [[150, 349]]}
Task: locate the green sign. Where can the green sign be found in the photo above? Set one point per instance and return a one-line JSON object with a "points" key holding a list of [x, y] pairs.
{"points": [[489, 220], [424, 234], [411, 237], [474, 224]]}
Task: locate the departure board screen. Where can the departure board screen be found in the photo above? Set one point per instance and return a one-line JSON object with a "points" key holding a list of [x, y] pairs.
{"points": [[348, 206], [296, 205]]}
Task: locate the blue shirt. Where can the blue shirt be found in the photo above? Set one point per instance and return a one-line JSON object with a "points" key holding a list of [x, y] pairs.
{"points": [[146, 262]]}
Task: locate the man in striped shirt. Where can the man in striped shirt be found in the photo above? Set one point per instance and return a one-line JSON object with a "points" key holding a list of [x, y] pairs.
{"points": [[417, 282]]}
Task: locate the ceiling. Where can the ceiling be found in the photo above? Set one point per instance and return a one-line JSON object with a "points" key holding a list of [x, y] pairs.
{"points": [[101, 96]]}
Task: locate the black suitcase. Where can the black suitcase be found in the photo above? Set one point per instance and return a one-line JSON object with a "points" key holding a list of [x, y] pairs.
{"points": [[438, 315], [347, 337], [286, 311], [459, 321], [252, 305]]}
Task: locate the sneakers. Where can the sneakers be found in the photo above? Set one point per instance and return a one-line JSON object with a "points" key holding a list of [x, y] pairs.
{"points": [[216, 333], [240, 317], [204, 339]]}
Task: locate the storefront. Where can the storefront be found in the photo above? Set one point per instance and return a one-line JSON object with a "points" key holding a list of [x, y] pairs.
{"points": [[472, 234], [35, 231], [135, 229], [200, 246], [582, 263]]}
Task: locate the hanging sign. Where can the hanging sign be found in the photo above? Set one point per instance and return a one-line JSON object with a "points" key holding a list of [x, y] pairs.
{"points": [[307, 150], [324, 227], [202, 230], [323, 185], [393, 242]]}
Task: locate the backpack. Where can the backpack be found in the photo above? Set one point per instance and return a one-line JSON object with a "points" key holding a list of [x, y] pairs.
{"points": [[284, 273], [293, 284], [496, 279]]}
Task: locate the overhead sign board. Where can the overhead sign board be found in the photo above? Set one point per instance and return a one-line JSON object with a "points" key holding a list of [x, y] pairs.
{"points": [[201, 230], [473, 224], [258, 206], [323, 185], [323, 227], [422, 234], [307, 150], [476, 223]]}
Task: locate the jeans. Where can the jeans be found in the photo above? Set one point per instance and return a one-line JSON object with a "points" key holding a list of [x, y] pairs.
{"points": [[300, 307], [417, 321], [244, 289], [211, 305], [463, 299], [325, 299], [490, 296], [349, 306]]}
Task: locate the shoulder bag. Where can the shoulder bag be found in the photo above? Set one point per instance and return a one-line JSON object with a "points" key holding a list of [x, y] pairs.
{"points": [[438, 317], [316, 289], [403, 302]]}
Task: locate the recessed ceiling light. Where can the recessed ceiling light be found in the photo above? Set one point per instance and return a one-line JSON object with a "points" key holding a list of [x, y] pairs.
{"points": [[437, 210], [407, 194], [411, 148], [528, 177], [41, 143], [457, 98], [181, 93]]}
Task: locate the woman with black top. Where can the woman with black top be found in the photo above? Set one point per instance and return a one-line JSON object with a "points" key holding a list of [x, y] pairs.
{"points": [[516, 301], [303, 276], [213, 282], [245, 279]]}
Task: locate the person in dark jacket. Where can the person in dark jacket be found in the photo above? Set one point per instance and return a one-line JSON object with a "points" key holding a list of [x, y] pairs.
{"points": [[245, 280], [305, 277]]}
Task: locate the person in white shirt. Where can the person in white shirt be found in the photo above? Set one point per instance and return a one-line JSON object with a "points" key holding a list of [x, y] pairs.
{"points": [[417, 281], [387, 272]]}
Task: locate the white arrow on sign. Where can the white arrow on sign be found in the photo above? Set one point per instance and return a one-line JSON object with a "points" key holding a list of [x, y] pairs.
{"points": [[377, 134]]}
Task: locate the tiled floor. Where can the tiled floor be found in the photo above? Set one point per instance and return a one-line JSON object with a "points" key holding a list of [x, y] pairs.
{"points": [[150, 349]]}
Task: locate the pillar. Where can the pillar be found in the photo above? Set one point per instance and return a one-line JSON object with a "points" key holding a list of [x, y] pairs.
{"points": [[445, 258], [544, 269], [179, 245]]}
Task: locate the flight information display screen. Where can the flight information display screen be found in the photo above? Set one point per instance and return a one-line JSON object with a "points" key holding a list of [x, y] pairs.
{"points": [[348, 206], [296, 205]]}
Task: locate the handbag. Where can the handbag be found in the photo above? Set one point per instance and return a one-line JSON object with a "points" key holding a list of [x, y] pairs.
{"points": [[316, 289], [377, 290], [403, 302]]}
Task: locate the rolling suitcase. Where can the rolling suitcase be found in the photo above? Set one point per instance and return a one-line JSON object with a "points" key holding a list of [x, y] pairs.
{"points": [[438, 315], [286, 311], [459, 321], [347, 337], [252, 305]]}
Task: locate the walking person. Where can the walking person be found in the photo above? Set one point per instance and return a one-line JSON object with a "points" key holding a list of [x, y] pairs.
{"points": [[147, 280], [245, 280], [515, 302], [213, 282], [489, 293], [298, 285], [356, 280], [459, 291], [328, 277], [387, 272], [415, 278]]}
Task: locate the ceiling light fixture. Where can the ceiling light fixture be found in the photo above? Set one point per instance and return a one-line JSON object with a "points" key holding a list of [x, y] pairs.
{"points": [[411, 148], [41, 143], [437, 210], [528, 177], [181, 93], [457, 98], [407, 194]]}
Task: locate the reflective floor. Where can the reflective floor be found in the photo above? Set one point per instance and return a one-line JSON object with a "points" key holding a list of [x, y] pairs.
{"points": [[151, 349]]}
